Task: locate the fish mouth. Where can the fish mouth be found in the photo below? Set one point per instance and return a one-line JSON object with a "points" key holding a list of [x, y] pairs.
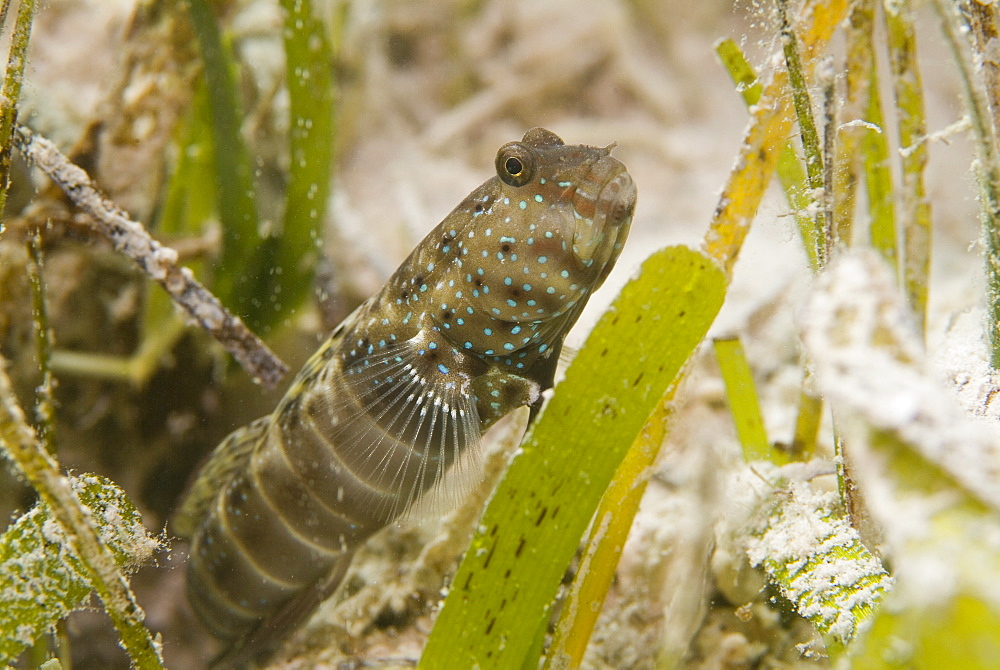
{"points": [[606, 195], [616, 202], [603, 205]]}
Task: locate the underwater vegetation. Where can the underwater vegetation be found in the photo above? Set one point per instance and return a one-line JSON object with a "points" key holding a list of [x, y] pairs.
{"points": [[771, 440]]}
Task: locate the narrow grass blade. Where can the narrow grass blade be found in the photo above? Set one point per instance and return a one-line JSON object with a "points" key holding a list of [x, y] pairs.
{"points": [[189, 201], [743, 403], [915, 209], [747, 82], [237, 203], [266, 277], [883, 231], [309, 74], [807, 423], [850, 134]]}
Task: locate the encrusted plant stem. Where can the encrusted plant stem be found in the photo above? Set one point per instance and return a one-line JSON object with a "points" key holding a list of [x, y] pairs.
{"points": [[983, 20], [42, 471], [11, 90], [158, 261], [809, 134], [44, 403], [985, 34], [835, 233]]}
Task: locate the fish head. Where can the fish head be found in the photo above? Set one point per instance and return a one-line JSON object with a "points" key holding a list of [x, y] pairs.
{"points": [[549, 227]]}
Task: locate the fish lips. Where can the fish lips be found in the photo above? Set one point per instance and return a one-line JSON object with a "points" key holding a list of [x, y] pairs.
{"points": [[598, 238]]}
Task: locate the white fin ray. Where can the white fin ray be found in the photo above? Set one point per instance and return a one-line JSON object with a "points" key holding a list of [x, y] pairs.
{"points": [[383, 401]]}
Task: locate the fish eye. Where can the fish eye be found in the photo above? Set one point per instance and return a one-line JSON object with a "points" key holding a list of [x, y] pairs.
{"points": [[515, 164]]}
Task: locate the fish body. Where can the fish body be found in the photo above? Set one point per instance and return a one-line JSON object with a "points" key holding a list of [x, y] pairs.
{"points": [[467, 329]]}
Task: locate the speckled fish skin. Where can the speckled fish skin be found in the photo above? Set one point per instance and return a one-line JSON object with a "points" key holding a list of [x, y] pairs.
{"points": [[467, 329]]}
